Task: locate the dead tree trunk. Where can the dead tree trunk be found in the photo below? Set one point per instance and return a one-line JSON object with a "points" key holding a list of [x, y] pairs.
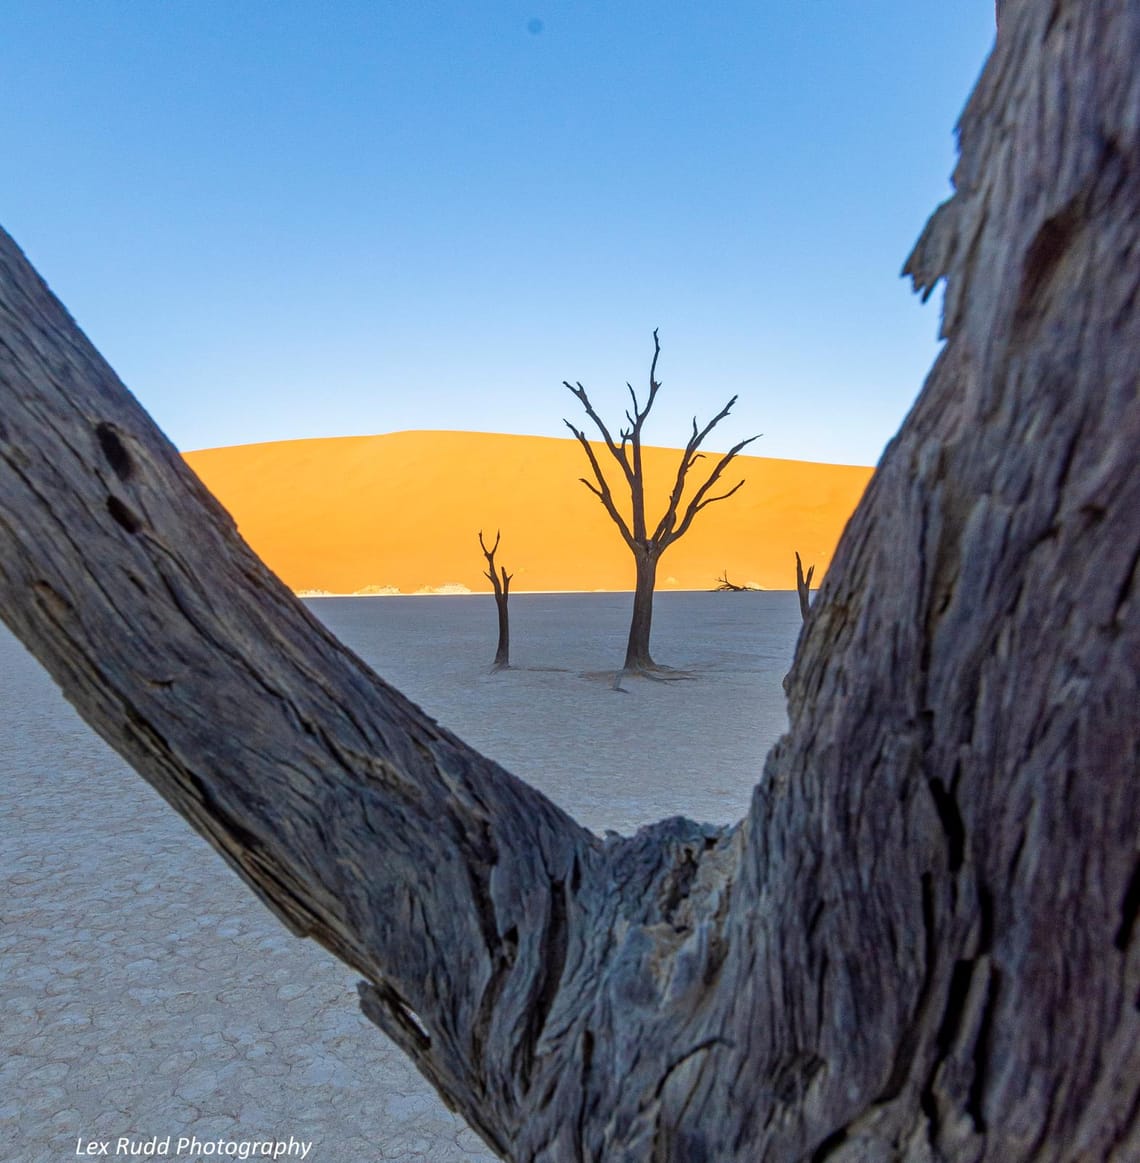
{"points": [[637, 647], [647, 547], [803, 587], [502, 588], [922, 941]]}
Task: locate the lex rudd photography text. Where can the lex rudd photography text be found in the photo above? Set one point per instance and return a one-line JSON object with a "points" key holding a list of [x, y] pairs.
{"points": [[171, 1147]]}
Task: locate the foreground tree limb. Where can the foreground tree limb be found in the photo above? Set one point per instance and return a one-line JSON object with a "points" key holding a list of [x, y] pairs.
{"points": [[439, 877], [922, 942]]}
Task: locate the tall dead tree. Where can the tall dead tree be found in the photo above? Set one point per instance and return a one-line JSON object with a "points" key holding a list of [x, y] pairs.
{"points": [[502, 588], [922, 940], [647, 547]]}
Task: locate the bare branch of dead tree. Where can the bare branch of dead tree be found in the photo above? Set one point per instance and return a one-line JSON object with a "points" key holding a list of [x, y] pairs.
{"points": [[803, 587]]}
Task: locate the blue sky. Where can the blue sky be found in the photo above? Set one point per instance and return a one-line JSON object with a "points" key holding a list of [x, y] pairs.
{"points": [[284, 219]]}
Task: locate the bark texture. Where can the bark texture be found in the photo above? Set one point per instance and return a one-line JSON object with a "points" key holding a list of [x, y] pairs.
{"points": [[922, 941]]}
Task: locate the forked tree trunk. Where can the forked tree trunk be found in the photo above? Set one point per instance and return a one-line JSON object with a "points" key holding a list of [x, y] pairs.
{"points": [[637, 648], [922, 941], [501, 584]]}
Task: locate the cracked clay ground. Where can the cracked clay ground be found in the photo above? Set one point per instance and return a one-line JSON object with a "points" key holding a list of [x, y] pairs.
{"points": [[144, 991]]}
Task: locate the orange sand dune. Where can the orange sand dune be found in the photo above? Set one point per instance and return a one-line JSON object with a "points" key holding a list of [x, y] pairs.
{"points": [[403, 511]]}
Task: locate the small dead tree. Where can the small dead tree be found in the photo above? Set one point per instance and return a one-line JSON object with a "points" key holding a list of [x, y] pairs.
{"points": [[647, 547], [803, 587], [502, 589]]}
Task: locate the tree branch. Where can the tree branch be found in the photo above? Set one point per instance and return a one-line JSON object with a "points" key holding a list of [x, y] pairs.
{"points": [[602, 491], [616, 450], [630, 436], [803, 587], [667, 532], [489, 573], [637, 480]]}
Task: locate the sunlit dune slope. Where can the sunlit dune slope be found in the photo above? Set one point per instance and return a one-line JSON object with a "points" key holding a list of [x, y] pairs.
{"points": [[403, 511]]}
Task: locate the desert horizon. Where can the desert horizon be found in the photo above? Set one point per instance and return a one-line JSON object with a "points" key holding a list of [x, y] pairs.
{"points": [[400, 513]]}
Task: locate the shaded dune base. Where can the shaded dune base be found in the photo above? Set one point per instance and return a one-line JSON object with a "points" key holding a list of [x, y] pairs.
{"points": [[402, 510]]}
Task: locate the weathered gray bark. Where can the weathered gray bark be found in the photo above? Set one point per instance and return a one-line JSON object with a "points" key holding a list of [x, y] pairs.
{"points": [[648, 547], [922, 941]]}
